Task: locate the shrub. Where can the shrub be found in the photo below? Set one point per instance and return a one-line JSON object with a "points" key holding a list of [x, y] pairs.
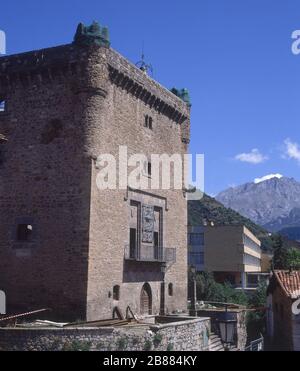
{"points": [[209, 290], [77, 346], [170, 347], [100, 346], [157, 340], [122, 344], [135, 340], [147, 345]]}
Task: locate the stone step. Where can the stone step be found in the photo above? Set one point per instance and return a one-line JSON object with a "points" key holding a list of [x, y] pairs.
{"points": [[233, 350], [215, 343], [215, 339], [217, 349], [218, 344]]}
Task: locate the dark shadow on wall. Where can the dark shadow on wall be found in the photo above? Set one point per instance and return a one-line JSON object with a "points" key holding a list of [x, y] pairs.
{"points": [[142, 272]]}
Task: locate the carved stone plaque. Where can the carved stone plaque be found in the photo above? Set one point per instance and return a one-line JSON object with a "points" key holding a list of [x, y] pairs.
{"points": [[147, 223]]}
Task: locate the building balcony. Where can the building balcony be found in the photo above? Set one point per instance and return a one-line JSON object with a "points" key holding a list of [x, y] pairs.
{"points": [[150, 254]]}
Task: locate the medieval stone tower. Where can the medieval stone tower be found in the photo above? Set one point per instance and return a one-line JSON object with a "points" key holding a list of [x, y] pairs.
{"points": [[64, 244]]}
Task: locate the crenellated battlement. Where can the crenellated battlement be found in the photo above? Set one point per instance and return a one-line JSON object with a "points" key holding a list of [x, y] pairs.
{"points": [[46, 65]]}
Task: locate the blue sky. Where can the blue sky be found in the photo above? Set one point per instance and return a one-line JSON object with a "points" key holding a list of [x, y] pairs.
{"points": [[234, 56]]}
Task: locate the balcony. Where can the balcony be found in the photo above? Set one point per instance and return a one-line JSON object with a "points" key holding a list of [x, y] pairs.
{"points": [[150, 254]]}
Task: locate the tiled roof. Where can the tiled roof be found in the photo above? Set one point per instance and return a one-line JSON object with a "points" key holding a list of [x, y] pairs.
{"points": [[290, 282]]}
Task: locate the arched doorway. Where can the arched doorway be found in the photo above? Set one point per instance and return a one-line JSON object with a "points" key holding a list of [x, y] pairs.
{"points": [[146, 299]]}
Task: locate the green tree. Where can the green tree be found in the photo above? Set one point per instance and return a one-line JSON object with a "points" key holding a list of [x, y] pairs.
{"points": [[279, 259], [256, 320], [285, 258], [259, 297], [209, 290], [292, 259]]}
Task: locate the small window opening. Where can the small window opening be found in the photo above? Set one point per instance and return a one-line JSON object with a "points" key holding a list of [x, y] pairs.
{"points": [[116, 292], [132, 243], [170, 289], [149, 169], [148, 122], [24, 232], [156, 243], [2, 105]]}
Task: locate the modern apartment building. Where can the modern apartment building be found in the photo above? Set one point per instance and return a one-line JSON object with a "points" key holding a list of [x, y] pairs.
{"points": [[196, 247], [232, 253]]}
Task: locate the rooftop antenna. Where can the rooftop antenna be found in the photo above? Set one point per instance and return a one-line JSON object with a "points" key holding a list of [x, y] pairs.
{"points": [[143, 66]]}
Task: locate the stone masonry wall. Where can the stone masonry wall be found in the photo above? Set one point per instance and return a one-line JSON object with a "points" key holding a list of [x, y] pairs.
{"points": [[45, 182], [114, 120], [190, 335], [64, 107]]}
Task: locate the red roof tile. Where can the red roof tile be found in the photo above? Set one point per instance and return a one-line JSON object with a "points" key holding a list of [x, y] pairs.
{"points": [[290, 282]]}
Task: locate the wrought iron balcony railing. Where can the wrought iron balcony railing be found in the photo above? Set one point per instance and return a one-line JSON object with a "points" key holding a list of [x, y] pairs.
{"points": [[146, 253]]}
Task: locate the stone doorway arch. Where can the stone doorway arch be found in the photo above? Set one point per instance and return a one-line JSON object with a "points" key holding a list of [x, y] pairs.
{"points": [[146, 299]]}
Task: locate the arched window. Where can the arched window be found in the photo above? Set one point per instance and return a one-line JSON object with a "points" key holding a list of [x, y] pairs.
{"points": [[170, 289], [116, 292]]}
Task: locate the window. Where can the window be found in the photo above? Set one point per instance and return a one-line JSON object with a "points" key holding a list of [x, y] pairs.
{"points": [[197, 239], [148, 122], [252, 260], [2, 105], [116, 292], [196, 258], [132, 243], [251, 244], [147, 171], [156, 245], [170, 289], [134, 229], [24, 232], [252, 279]]}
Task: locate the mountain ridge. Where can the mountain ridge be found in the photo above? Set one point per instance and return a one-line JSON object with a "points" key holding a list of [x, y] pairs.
{"points": [[273, 203], [209, 209]]}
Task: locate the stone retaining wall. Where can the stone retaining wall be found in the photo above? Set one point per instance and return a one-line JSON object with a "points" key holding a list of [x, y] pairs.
{"points": [[189, 335]]}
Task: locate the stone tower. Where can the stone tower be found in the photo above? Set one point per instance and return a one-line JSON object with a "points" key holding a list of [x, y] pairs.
{"points": [[65, 244]]}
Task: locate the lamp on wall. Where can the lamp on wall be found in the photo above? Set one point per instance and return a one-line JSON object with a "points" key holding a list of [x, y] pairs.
{"points": [[194, 291], [227, 325]]}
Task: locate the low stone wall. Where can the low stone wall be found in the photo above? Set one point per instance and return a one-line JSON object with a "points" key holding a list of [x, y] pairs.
{"points": [[191, 335]]}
